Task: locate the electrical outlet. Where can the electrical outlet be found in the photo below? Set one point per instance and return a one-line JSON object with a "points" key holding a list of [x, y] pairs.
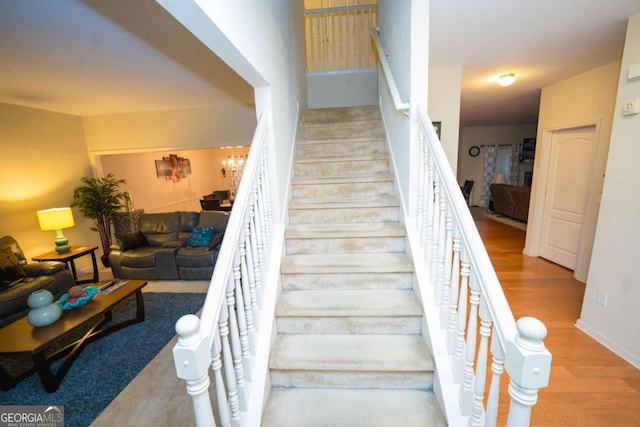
{"points": [[601, 298], [631, 107]]}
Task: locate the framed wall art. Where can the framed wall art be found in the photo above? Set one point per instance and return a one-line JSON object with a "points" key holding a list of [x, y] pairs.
{"points": [[173, 168]]}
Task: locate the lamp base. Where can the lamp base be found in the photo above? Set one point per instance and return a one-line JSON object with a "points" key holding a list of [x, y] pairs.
{"points": [[62, 243]]}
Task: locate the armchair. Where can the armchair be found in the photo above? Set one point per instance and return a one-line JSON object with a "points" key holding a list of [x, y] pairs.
{"points": [[18, 279]]}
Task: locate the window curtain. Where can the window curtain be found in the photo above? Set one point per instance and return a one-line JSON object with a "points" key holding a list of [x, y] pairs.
{"points": [[514, 158], [490, 157]]}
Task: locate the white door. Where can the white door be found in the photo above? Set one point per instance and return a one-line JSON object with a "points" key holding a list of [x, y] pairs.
{"points": [[570, 168]]}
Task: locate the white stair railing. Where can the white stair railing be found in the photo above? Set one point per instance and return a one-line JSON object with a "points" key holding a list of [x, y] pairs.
{"points": [[338, 38], [223, 340], [470, 325]]}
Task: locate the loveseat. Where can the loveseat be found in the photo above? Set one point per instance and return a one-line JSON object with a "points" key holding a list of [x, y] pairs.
{"points": [[170, 246], [18, 279], [511, 200]]}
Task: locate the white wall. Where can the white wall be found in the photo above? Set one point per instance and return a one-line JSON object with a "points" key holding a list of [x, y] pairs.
{"points": [[342, 88], [44, 158], [444, 106], [615, 269], [203, 127], [405, 36], [470, 168], [262, 41], [155, 194], [587, 99]]}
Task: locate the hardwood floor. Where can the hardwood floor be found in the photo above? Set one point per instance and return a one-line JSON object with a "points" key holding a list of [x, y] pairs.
{"points": [[590, 385]]}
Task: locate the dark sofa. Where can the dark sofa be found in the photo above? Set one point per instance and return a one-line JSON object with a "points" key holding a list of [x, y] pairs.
{"points": [[20, 278], [511, 200], [170, 246]]}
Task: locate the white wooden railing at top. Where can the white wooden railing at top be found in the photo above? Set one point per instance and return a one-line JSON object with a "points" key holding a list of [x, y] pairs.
{"points": [[470, 324], [225, 337], [338, 38]]}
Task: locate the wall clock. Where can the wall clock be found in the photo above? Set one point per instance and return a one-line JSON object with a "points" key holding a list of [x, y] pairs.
{"points": [[474, 150]]}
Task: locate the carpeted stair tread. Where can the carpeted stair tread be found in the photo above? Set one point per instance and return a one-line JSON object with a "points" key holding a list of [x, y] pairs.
{"points": [[346, 140], [321, 303], [323, 116], [347, 179], [347, 263], [349, 408], [344, 159], [371, 353], [343, 203], [331, 231]]}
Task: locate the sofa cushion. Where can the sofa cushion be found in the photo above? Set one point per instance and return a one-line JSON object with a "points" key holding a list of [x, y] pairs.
{"points": [[217, 219], [195, 257], [133, 240], [139, 257], [200, 236], [11, 269], [160, 228]]}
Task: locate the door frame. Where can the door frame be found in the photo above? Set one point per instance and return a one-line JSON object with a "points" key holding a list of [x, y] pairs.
{"points": [[539, 184]]}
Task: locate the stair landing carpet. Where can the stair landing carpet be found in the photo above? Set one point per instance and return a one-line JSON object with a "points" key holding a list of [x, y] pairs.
{"points": [[106, 366]]}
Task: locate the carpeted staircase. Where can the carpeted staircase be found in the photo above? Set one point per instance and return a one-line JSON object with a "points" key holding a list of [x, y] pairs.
{"points": [[349, 349]]}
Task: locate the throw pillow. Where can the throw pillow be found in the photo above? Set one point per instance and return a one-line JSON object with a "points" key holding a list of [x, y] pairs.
{"points": [[131, 240], [200, 236], [10, 267]]}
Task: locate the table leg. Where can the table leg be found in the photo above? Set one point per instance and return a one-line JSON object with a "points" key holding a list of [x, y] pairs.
{"points": [[96, 278], [73, 270], [7, 382], [47, 378], [139, 306]]}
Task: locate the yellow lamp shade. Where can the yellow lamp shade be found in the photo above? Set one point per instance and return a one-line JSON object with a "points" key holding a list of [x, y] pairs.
{"points": [[55, 219]]}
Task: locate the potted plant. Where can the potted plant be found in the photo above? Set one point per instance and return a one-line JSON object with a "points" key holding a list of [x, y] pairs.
{"points": [[99, 199]]}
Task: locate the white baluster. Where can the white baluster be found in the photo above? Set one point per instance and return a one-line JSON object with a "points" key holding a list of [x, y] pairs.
{"points": [[421, 196], [221, 392], [481, 365], [446, 280], [435, 240], [472, 332], [227, 364], [461, 321], [497, 366], [192, 358], [242, 329], [430, 218], [239, 271], [455, 292], [528, 363], [236, 346]]}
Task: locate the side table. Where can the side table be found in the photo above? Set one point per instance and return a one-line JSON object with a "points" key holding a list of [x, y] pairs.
{"points": [[67, 258]]}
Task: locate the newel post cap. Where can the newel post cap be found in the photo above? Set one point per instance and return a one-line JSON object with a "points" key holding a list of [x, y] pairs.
{"points": [[191, 354], [528, 361]]}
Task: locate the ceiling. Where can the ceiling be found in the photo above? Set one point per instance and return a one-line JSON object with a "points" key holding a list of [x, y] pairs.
{"points": [[91, 57]]}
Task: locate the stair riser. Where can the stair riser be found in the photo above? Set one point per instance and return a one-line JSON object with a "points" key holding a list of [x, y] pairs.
{"points": [[365, 129], [341, 168], [344, 216], [341, 148], [345, 245], [306, 282], [349, 325], [349, 190], [352, 379]]}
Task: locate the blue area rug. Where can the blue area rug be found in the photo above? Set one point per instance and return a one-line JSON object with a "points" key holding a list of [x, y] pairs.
{"points": [[106, 366]]}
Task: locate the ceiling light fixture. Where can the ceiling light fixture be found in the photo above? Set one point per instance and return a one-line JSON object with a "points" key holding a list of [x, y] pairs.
{"points": [[507, 79]]}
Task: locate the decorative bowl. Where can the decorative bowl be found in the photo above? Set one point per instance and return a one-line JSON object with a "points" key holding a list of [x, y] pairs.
{"points": [[65, 304]]}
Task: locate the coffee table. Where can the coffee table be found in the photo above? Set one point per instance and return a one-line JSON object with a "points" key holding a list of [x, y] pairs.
{"points": [[20, 337]]}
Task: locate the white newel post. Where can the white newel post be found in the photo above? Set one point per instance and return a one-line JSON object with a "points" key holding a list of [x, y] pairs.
{"points": [[192, 357], [528, 363]]}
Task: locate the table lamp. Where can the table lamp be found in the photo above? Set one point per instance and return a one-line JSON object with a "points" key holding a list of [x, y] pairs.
{"points": [[56, 219]]}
